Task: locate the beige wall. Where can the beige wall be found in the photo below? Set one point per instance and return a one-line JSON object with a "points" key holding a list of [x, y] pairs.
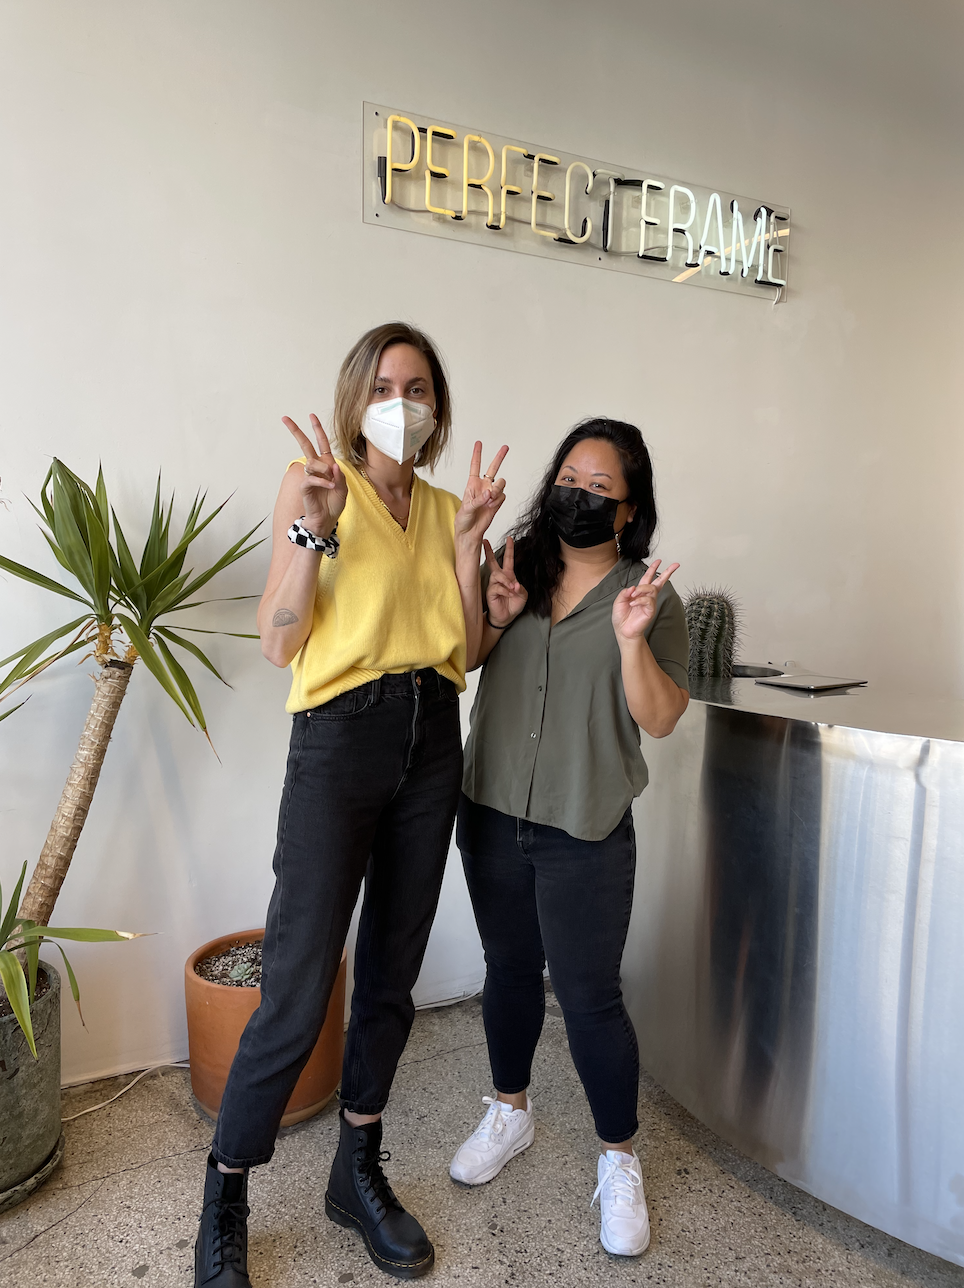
{"points": [[182, 261]]}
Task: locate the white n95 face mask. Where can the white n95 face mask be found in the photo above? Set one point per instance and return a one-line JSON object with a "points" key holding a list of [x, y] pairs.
{"points": [[398, 427]]}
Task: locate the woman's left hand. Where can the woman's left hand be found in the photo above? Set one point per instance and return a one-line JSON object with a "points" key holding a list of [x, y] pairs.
{"points": [[483, 496], [635, 607]]}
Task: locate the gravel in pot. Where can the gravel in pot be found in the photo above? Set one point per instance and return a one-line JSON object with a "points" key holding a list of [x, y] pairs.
{"points": [[238, 966]]}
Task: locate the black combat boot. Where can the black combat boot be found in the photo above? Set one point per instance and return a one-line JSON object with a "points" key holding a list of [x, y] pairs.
{"points": [[361, 1198], [221, 1251]]}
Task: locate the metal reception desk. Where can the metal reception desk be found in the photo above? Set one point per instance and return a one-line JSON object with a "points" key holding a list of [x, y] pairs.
{"points": [[795, 965]]}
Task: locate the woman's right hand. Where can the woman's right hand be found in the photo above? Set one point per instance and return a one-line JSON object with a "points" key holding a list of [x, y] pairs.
{"points": [[324, 490], [505, 597]]}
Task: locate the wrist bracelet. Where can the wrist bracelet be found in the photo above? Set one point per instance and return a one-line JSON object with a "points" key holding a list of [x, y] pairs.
{"points": [[299, 535], [493, 625]]}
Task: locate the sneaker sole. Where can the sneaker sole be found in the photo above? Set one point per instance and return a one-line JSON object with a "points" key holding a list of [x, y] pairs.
{"points": [[616, 1252], [400, 1269], [522, 1144]]}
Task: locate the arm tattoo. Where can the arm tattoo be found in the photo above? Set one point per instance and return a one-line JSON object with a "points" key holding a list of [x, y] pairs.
{"points": [[284, 617]]}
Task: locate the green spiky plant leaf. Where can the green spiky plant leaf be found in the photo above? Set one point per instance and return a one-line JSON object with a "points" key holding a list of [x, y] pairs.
{"points": [[127, 603], [21, 937]]}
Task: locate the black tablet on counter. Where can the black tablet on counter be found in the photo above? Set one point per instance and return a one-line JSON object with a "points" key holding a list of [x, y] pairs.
{"points": [[810, 683]]}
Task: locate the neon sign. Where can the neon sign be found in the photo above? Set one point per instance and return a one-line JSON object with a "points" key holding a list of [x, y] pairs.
{"points": [[429, 176]]}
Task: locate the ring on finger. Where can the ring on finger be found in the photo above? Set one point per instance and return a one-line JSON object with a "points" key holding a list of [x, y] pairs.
{"points": [[489, 477]]}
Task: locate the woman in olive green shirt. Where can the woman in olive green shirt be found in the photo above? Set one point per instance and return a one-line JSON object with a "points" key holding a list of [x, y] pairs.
{"points": [[583, 646]]}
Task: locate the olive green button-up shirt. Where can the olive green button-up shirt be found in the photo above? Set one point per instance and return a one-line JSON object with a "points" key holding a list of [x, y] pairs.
{"points": [[552, 740]]}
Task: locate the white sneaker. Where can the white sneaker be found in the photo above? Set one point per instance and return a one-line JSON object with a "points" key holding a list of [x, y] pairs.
{"points": [[622, 1204], [501, 1134]]}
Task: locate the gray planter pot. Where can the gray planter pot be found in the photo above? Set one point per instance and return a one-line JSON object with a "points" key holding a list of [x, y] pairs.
{"points": [[31, 1144]]}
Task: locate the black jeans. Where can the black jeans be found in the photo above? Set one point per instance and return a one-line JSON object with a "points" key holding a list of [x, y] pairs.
{"points": [[540, 893], [370, 793]]}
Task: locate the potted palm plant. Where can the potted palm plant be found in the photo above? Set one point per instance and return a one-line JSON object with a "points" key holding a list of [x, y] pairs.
{"points": [[127, 608], [127, 616]]}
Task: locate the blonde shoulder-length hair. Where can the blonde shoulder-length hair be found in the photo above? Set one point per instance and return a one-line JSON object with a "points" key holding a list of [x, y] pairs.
{"points": [[356, 380]]}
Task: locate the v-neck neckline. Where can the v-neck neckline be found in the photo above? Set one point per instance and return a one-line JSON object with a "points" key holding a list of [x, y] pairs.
{"points": [[368, 489], [590, 597]]}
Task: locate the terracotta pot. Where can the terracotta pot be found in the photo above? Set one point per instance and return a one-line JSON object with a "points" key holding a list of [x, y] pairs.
{"points": [[216, 1016]]}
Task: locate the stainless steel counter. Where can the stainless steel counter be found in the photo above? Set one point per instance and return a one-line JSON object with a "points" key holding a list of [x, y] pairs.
{"points": [[795, 964]]}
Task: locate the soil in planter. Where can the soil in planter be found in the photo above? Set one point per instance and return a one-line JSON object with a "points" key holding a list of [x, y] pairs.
{"points": [[238, 967], [43, 983]]}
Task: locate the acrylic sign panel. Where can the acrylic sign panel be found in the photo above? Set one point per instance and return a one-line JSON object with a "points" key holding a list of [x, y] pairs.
{"points": [[427, 175]]}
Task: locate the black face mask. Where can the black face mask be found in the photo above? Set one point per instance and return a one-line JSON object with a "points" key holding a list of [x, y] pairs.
{"points": [[582, 518]]}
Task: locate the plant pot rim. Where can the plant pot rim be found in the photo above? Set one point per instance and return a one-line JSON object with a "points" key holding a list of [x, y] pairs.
{"points": [[214, 946], [211, 948], [53, 984]]}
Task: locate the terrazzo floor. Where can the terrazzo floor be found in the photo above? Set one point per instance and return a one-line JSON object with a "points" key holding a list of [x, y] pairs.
{"points": [[122, 1210]]}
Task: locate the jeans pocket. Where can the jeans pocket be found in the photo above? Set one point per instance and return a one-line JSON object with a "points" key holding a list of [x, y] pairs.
{"points": [[345, 706], [448, 694]]}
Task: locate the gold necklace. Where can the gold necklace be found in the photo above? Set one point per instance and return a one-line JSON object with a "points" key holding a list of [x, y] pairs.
{"points": [[388, 511]]}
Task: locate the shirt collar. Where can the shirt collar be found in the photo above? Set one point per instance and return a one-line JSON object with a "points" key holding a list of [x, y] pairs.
{"points": [[619, 575]]}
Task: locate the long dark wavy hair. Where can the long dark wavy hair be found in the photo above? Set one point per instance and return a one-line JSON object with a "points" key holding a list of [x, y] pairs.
{"points": [[538, 562]]}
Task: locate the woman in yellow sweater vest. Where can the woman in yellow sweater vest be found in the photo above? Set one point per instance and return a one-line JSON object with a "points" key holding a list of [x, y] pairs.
{"points": [[373, 597]]}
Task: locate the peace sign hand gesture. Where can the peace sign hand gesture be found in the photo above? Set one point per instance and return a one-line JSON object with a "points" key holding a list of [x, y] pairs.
{"points": [[482, 498], [505, 598], [324, 490], [635, 607]]}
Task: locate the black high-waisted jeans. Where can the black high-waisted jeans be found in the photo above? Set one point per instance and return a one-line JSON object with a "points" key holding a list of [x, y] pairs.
{"points": [[370, 793], [539, 894]]}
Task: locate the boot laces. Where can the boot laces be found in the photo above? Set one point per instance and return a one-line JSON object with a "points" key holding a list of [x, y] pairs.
{"points": [[229, 1224], [374, 1179], [624, 1179]]}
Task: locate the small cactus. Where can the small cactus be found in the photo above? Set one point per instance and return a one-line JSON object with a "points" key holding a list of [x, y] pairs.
{"points": [[712, 617]]}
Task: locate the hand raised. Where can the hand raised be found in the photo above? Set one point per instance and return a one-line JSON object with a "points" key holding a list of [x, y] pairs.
{"points": [[635, 607], [505, 597], [482, 498], [324, 490]]}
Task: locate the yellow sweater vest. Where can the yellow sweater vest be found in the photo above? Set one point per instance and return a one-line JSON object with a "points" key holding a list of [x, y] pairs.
{"points": [[389, 602]]}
